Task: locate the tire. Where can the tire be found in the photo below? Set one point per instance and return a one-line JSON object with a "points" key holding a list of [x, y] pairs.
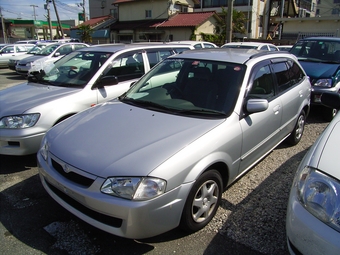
{"points": [[329, 113], [202, 202], [296, 135]]}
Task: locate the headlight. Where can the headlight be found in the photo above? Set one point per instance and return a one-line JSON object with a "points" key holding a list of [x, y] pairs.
{"points": [[44, 148], [134, 188], [324, 83], [19, 121], [319, 194]]}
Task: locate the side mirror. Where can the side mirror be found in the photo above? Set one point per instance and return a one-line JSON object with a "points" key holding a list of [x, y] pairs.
{"points": [[331, 99], [107, 81], [57, 54], [256, 105]]}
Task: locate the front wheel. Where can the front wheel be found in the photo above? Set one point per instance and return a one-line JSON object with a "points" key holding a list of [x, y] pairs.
{"points": [[202, 201], [295, 137]]}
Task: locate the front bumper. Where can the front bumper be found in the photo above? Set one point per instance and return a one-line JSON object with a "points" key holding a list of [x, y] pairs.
{"points": [[22, 70], [121, 217], [317, 92], [18, 143], [306, 234]]}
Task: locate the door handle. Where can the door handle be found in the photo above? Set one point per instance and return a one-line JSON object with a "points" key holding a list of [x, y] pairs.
{"points": [[276, 109]]}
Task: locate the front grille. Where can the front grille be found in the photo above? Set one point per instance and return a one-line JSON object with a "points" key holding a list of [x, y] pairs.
{"points": [[105, 219], [72, 176]]}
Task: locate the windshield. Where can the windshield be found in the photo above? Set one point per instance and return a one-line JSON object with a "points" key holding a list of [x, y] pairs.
{"points": [[190, 87], [317, 50], [48, 50], [74, 70], [36, 49]]}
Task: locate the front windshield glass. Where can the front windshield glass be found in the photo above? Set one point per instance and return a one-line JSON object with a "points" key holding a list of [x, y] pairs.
{"points": [[199, 88], [36, 49], [48, 50], [317, 50], [74, 70]]}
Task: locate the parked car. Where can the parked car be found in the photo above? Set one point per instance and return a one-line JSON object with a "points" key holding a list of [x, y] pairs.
{"points": [[11, 50], [320, 58], [313, 214], [251, 45], [77, 81], [197, 44], [27, 41], [284, 47], [46, 56], [12, 62], [168, 147]]}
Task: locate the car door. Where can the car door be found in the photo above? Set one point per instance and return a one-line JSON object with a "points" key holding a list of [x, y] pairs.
{"points": [[261, 130], [289, 75]]}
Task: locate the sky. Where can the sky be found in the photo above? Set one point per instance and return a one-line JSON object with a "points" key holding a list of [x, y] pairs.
{"points": [[25, 9]]}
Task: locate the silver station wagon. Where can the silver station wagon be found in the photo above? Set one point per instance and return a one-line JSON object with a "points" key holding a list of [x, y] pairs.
{"points": [[76, 82], [160, 155]]}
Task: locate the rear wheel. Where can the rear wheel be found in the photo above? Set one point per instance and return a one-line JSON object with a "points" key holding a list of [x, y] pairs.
{"points": [[202, 201], [295, 137]]}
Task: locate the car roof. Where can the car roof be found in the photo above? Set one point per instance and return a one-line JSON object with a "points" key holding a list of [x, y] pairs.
{"points": [[119, 47], [248, 43], [321, 38], [231, 55]]}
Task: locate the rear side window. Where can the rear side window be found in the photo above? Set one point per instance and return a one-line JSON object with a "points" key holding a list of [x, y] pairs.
{"points": [[287, 74]]}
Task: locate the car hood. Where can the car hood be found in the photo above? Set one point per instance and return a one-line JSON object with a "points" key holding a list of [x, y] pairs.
{"points": [[317, 70], [116, 139], [22, 97], [329, 162], [31, 59]]}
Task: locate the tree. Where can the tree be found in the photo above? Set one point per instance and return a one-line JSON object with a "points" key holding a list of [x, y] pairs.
{"points": [[85, 32], [238, 26]]}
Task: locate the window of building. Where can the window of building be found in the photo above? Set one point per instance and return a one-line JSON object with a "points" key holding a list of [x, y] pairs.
{"points": [[335, 11], [148, 14]]}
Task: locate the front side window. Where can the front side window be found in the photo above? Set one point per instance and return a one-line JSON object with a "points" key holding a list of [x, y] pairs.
{"points": [[196, 88], [155, 56], [127, 66], [263, 84]]}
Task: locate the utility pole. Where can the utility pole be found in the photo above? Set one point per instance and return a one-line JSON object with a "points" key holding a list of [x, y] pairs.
{"points": [[229, 21], [84, 10], [56, 13], [35, 18], [47, 7], [3, 27]]}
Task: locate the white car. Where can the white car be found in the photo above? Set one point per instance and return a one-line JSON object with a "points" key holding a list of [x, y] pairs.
{"points": [[15, 59], [251, 45], [79, 80], [313, 213], [46, 56], [11, 50]]}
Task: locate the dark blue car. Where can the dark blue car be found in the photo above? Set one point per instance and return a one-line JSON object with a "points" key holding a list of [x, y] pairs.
{"points": [[320, 58]]}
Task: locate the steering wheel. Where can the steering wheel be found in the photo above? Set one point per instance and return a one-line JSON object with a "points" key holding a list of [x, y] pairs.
{"points": [[72, 73]]}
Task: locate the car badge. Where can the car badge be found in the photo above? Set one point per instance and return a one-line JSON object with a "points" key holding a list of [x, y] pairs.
{"points": [[66, 168]]}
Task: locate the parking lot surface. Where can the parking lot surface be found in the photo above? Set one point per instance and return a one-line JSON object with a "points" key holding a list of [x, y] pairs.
{"points": [[250, 219]]}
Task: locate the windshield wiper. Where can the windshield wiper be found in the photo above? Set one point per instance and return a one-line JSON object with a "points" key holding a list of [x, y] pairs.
{"points": [[202, 111], [147, 104]]}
